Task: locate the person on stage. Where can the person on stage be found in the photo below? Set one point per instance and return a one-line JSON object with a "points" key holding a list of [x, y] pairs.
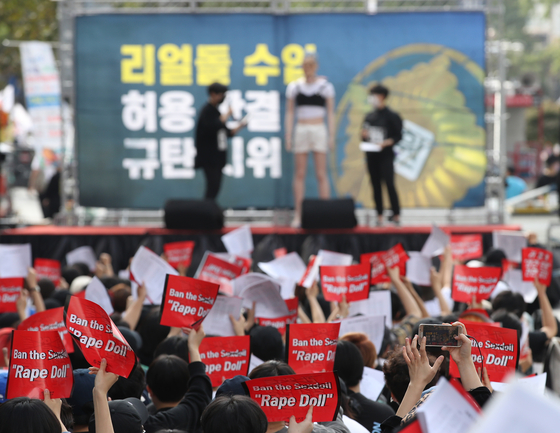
{"points": [[211, 139], [382, 128], [309, 100]]}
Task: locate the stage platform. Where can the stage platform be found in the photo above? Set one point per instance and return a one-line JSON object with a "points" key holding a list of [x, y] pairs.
{"points": [[122, 242]]}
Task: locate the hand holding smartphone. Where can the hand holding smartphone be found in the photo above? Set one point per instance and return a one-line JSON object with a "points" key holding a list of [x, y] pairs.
{"points": [[440, 335]]}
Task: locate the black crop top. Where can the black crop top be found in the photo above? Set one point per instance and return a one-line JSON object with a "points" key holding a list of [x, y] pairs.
{"points": [[314, 100]]}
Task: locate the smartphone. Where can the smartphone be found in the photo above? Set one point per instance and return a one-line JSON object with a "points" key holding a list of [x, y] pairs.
{"points": [[440, 335]]}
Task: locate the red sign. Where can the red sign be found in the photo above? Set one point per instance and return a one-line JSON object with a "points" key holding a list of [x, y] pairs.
{"points": [[498, 350], [39, 361], [378, 270], [49, 320], [508, 264], [244, 263], [395, 256], [186, 301], [10, 289], [49, 269], [474, 281], [280, 397], [281, 322], [352, 281], [98, 337], [465, 247], [310, 274], [218, 271], [225, 357], [179, 253], [312, 346], [536, 263]]}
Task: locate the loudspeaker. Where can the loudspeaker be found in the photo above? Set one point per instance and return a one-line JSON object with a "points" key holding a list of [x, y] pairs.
{"points": [[328, 214], [193, 215]]}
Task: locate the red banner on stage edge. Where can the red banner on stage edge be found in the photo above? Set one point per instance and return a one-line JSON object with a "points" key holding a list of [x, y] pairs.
{"points": [[225, 357], [186, 301], [536, 263], [179, 253], [311, 347], [351, 281], [98, 337], [280, 397], [10, 289], [38, 361], [49, 320], [498, 349], [281, 322], [474, 281]]}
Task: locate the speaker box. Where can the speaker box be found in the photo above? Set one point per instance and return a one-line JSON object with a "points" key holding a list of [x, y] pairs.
{"points": [[193, 215], [328, 214]]}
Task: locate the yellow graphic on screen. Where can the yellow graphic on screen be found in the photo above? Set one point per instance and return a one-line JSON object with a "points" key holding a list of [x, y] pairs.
{"points": [[442, 154]]}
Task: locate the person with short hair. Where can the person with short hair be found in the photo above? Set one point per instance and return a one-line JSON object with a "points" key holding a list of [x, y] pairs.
{"points": [[167, 380], [308, 101], [211, 139], [382, 127]]}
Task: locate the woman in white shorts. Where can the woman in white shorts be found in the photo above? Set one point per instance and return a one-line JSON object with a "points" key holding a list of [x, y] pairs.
{"points": [[309, 100]]}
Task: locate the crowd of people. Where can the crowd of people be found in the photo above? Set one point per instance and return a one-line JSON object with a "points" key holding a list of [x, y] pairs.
{"points": [[170, 391]]}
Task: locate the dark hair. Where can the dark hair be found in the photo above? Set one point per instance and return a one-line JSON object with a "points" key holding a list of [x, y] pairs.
{"points": [[397, 308], [364, 345], [270, 369], [129, 387], [266, 343], [47, 287], [233, 414], [69, 274], [217, 88], [176, 345], [494, 258], [152, 334], [27, 415], [509, 301], [168, 378], [82, 268], [379, 89], [119, 297], [348, 363]]}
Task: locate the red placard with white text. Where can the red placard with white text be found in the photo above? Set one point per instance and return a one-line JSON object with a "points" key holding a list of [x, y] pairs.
{"points": [[474, 281], [49, 269], [378, 273], [281, 322], [498, 350], [311, 273], [395, 256], [465, 247], [311, 347], [244, 263], [536, 263], [179, 253], [215, 270], [508, 265], [10, 289], [39, 361], [97, 336], [49, 320], [225, 357], [280, 397], [351, 281], [186, 301]]}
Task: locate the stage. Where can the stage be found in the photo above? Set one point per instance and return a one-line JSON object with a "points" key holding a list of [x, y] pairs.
{"points": [[121, 242]]}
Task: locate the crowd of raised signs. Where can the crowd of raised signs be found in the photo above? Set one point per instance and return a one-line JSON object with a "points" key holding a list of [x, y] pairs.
{"points": [[330, 346]]}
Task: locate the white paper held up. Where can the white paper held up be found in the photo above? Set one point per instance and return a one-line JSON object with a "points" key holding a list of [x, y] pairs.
{"points": [[15, 260], [372, 326], [217, 322], [96, 292], [436, 242], [372, 383], [510, 242], [264, 291], [239, 242], [83, 254], [378, 304], [289, 266], [149, 268], [418, 268]]}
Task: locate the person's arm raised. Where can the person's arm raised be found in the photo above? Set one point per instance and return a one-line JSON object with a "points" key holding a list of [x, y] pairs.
{"points": [[463, 359], [195, 338], [103, 383], [416, 296], [317, 315], [134, 310], [549, 324], [35, 291], [436, 279], [408, 301]]}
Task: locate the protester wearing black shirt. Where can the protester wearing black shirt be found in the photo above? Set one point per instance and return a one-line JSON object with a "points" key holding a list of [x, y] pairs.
{"points": [[211, 139], [383, 127]]}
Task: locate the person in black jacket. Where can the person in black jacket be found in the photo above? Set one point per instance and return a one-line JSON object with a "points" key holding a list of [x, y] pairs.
{"points": [[211, 139], [382, 127]]}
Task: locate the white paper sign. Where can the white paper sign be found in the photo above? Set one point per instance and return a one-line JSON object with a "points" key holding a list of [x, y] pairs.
{"points": [[436, 242], [82, 255], [369, 147], [217, 322], [239, 242], [536, 383], [418, 268], [96, 292], [15, 260], [149, 268], [373, 382], [446, 411], [289, 266], [331, 258], [511, 243], [254, 362], [514, 279], [372, 326], [263, 290], [378, 304]]}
